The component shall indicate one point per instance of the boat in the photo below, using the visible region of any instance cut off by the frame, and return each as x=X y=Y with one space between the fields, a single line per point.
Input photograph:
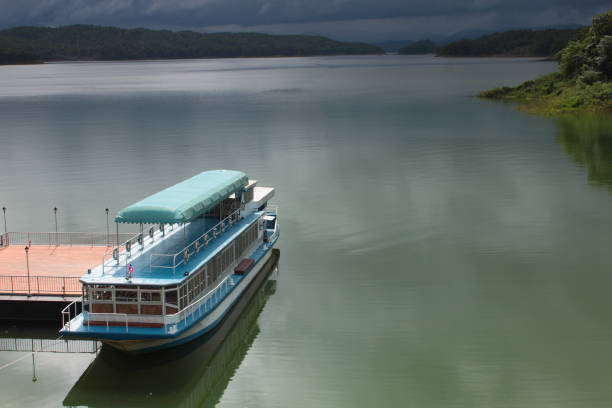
x=201 y=244
x=193 y=375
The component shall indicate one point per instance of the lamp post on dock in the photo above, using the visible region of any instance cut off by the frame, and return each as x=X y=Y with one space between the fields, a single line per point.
x=107 y=229
x=28 y=268
x=55 y=211
x=4 y=211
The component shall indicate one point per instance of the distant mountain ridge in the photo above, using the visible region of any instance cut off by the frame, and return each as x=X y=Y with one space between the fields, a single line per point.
x=89 y=42
x=515 y=43
x=392 y=46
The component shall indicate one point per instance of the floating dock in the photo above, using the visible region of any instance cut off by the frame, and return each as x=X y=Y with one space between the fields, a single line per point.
x=38 y=282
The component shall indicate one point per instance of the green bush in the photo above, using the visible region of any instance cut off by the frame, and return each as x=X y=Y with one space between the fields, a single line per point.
x=589 y=77
x=602 y=24
x=604 y=56
x=573 y=58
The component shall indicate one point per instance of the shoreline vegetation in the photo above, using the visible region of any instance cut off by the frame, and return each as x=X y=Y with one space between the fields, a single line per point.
x=582 y=84
x=31 y=45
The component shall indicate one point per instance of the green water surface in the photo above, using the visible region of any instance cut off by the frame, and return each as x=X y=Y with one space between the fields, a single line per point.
x=437 y=250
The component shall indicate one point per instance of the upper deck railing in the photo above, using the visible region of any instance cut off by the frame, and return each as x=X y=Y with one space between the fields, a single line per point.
x=182 y=257
x=112 y=258
x=120 y=255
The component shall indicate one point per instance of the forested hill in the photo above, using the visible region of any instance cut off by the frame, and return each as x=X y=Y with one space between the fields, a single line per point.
x=88 y=42
x=583 y=83
x=514 y=43
x=419 y=48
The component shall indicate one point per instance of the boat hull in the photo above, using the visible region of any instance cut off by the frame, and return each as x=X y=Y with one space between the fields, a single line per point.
x=204 y=326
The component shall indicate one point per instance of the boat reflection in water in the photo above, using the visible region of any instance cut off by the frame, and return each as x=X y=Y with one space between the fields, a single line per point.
x=193 y=375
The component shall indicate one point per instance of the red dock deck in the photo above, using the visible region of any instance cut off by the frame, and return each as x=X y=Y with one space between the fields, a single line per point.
x=54 y=270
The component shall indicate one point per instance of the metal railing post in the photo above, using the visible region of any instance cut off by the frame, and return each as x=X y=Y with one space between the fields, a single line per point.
x=55 y=211
x=5 y=231
x=107 y=229
x=28 y=267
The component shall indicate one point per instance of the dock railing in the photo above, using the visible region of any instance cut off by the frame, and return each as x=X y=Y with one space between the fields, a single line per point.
x=182 y=257
x=61 y=238
x=37 y=285
x=37 y=345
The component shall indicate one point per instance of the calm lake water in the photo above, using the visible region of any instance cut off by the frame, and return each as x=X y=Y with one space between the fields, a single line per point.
x=437 y=250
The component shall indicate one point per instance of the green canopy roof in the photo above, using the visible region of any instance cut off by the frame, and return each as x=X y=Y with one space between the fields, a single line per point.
x=186 y=200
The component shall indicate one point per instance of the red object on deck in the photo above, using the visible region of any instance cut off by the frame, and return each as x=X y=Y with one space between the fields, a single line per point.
x=244 y=266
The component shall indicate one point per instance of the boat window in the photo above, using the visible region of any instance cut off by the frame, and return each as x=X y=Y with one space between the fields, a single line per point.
x=101 y=294
x=244 y=241
x=150 y=296
x=248 y=195
x=127 y=295
x=171 y=296
x=190 y=285
x=183 y=296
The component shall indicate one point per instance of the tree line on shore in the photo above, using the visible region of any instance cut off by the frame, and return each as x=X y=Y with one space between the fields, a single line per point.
x=88 y=42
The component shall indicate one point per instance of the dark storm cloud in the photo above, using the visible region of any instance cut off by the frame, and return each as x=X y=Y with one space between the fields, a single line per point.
x=200 y=14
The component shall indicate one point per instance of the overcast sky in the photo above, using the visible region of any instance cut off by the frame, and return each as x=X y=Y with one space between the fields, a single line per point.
x=362 y=20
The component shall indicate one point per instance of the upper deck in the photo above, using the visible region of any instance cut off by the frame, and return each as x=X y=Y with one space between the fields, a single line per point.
x=161 y=259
